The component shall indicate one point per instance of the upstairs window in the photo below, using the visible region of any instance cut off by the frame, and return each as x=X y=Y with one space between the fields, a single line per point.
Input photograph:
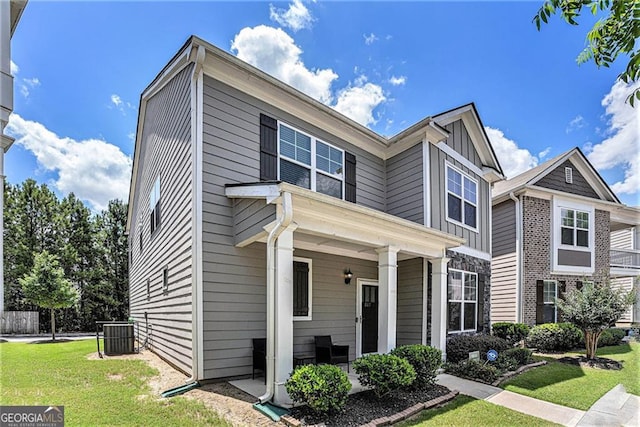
x=310 y=163
x=154 y=206
x=462 y=198
x=574 y=228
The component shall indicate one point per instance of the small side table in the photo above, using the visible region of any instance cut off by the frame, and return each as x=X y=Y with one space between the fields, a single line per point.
x=303 y=359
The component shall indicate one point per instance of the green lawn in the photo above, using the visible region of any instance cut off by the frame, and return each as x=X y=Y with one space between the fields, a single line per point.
x=578 y=387
x=467 y=411
x=93 y=392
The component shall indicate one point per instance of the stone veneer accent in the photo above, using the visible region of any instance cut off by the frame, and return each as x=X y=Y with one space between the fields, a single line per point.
x=536 y=240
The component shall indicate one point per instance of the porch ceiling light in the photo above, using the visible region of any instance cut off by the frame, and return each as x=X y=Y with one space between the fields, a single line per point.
x=347 y=276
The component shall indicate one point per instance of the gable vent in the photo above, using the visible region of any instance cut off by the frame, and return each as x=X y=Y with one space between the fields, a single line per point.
x=568 y=175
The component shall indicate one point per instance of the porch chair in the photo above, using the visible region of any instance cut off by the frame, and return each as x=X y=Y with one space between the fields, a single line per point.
x=326 y=352
x=259 y=357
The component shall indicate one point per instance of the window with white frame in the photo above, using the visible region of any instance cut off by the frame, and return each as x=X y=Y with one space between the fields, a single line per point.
x=308 y=162
x=574 y=227
x=547 y=307
x=462 y=198
x=154 y=206
x=462 y=312
x=302 y=288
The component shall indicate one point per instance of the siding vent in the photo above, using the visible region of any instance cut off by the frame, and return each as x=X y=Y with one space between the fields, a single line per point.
x=165 y=280
x=568 y=175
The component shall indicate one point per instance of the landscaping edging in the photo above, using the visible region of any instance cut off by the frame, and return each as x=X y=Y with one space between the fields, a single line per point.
x=520 y=370
x=391 y=419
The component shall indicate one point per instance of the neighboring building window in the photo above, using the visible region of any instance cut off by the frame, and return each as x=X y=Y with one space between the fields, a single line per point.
x=154 y=206
x=302 y=286
x=165 y=280
x=574 y=228
x=462 y=198
x=310 y=163
x=463 y=301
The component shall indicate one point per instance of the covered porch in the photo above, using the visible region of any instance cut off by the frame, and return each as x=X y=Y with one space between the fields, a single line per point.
x=332 y=237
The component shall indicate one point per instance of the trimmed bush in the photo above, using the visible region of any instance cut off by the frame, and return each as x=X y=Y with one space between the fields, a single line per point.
x=521 y=355
x=425 y=361
x=459 y=346
x=324 y=388
x=505 y=363
x=384 y=373
x=512 y=332
x=473 y=370
x=611 y=336
x=555 y=337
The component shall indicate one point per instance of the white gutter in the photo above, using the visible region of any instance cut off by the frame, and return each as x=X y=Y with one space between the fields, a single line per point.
x=516 y=200
x=282 y=223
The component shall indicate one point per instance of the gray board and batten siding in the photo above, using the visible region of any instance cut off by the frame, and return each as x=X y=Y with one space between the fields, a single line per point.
x=405 y=189
x=504 y=228
x=504 y=263
x=165 y=151
x=410 y=301
x=555 y=180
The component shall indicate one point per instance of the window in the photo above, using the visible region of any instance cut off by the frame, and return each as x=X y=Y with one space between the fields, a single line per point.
x=302 y=289
x=463 y=301
x=165 y=280
x=310 y=163
x=462 y=198
x=154 y=206
x=574 y=228
x=546 y=305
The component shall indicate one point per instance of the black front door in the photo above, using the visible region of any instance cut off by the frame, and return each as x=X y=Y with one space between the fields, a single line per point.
x=369 y=319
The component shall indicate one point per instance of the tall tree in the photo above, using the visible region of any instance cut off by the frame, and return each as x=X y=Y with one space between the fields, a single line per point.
x=594 y=308
x=610 y=37
x=47 y=287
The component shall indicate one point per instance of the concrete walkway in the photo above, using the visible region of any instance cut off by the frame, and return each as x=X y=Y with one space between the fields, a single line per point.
x=615 y=408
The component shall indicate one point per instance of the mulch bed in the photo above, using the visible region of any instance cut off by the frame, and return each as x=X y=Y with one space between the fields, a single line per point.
x=364 y=407
x=598 y=362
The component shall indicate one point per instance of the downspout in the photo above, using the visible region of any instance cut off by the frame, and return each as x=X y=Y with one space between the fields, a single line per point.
x=516 y=201
x=282 y=223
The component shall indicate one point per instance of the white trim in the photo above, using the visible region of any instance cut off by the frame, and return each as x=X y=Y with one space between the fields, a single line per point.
x=458 y=157
x=425 y=301
x=198 y=219
x=426 y=183
x=463 y=302
x=309 y=315
x=448 y=165
x=555 y=306
x=466 y=250
x=359 y=283
x=556 y=237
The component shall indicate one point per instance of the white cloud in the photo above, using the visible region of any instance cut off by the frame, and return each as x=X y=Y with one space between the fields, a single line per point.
x=92 y=169
x=358 y=102
x=27 y=85
x=576 y=123
x=397 y=81
x=544 y=153
x=369 y=39
x=514 y=160
x=14 y=68
x=115 y=99
x=621 y=148
x=273 y=51
x=296 y=17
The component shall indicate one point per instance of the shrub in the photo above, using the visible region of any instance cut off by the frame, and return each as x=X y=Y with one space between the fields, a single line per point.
x=521 y=355
x=505 y=363
x=425 y=361
x=324 y=388
x=473 y=370
x=555 y=337
x=384 y=373
x=512 y=332
x=611 y=336
x=459 y=346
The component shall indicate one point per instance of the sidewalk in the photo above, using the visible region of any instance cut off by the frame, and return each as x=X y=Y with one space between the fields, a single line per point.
x=615 y=408
x=40 y=337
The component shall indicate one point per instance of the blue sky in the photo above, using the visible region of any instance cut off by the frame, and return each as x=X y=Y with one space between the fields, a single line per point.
x=80 y=67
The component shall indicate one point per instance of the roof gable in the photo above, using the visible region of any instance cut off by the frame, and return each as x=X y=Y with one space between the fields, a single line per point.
x=556 y=180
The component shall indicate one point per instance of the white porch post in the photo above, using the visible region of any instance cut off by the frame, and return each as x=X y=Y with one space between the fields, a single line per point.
x=388 y=297
x=439 y=304
x=284 y=315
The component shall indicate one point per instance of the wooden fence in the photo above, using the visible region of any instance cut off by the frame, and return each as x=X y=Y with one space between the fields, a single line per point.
x=19 y=322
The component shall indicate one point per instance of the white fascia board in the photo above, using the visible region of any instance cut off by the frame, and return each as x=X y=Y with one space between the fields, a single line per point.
x=548 y=194
x=466 y=250
x=269 y=192
x=460 y=158
x=6 y=142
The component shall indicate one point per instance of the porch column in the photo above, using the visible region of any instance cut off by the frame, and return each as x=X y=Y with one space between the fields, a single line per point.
x=388 y=297
x=439 y=304
x=284 y=315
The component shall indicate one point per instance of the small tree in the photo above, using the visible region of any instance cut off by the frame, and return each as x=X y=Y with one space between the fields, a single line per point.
x=47 y=287
x=593 y=309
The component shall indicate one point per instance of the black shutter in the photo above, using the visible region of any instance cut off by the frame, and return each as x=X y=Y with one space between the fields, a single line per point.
x=300 y=288
x=539 y=302
x=268 y=148
x=562 y=290
x=579 y=285
x=349 y=177
x=482 y=278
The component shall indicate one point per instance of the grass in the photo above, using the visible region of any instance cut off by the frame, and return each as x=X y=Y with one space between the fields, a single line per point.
x=93 y=392
x=579 y=387
x=467 y=411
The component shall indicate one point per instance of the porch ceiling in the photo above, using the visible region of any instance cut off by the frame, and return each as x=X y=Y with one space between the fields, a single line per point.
x=327 y=224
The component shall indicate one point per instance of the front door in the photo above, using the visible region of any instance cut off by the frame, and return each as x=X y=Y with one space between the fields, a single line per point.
x=369 y=319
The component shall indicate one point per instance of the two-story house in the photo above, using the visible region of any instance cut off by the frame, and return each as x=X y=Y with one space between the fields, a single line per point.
x=257 y=212
x=554 y=227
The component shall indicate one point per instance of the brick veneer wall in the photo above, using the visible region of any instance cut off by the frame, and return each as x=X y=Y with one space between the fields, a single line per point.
x=536 y=240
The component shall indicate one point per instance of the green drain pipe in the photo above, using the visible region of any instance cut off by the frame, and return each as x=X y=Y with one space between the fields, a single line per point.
x=180 y=389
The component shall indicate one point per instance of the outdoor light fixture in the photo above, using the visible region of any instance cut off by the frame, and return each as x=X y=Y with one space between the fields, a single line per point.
x=347 y=276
